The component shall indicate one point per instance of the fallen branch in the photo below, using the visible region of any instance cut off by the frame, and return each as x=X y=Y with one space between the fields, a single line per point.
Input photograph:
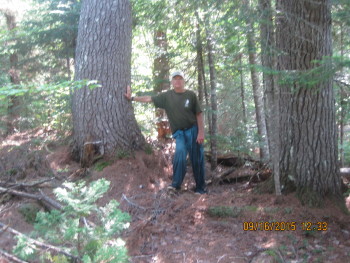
x=224 y=173
x=42 y=197
x=50 y=201
x=11 y=257
x=47 y=201
x=220 y=176
x=38 y=243
x=32 y=184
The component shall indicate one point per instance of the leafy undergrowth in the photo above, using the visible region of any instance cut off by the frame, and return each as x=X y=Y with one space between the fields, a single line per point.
x=229 y=224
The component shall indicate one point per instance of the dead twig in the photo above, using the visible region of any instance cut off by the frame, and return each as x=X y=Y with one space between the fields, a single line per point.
x=32 y=184
x=5 y=208
x=221 y=258
x=132 y=203
x=38 y=243
x=280 y=255
x=11 y=257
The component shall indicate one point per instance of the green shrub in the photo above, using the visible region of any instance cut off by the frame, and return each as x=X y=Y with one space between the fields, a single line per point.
x=99 y=166
x=224 y=211
x=148 y=149
x=70 y=229
x=29 y=212
x=250 y=208
x=123 y=154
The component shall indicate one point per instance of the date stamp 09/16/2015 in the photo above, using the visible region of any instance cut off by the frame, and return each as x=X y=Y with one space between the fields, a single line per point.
x=285 y=226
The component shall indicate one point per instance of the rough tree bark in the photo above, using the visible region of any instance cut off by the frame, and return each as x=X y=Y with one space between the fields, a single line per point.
x=102 y=115
x=308 y=131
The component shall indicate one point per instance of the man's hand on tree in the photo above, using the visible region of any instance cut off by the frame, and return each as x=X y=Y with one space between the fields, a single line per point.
x=128 y=93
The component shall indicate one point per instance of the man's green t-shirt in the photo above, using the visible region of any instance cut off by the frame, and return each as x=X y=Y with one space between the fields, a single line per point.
x=181 y=108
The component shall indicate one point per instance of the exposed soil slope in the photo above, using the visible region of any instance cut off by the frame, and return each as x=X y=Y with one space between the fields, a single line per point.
x=183 y=226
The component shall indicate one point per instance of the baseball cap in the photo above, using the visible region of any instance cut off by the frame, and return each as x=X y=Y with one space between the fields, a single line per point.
x=178 y=73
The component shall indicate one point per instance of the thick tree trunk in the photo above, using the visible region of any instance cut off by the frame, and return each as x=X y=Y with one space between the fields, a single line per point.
x=102 y=116
x=271 y=93
x=308 y=132
x=258 y=97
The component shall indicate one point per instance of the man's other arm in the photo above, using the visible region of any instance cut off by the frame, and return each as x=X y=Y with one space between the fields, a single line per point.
x=200 y=123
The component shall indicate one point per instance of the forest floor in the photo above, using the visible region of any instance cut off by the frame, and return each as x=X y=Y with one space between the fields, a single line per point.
x=178 y=227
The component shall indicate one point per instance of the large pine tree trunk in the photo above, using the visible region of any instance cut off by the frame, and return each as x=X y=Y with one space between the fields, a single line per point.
x=103 y=115
x=307 y=125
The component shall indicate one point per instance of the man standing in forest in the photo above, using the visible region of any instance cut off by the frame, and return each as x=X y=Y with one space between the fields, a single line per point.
x=187 y=126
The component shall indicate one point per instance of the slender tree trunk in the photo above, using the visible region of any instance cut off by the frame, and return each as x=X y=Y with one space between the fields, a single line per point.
x=258 y=97
x=161 y=79
x=344 y=109
x=102 y=116
x=206 y=98
x=161 y=62
x=213 y=100
x=70 y=78
x=342 y=105
x=14 y=101
x=200 y=66
x=309 y=154
x=201 y=74
x=69 y=74
x=242 y=90
x=271 y=92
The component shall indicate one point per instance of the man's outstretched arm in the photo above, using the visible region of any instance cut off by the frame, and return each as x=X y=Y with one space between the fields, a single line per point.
x=139 y=99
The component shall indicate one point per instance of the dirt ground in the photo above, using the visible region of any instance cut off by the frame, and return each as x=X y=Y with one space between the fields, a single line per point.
x=180 y=227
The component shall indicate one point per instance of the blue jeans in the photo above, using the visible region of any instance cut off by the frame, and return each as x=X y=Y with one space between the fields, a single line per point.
x=186 y=143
